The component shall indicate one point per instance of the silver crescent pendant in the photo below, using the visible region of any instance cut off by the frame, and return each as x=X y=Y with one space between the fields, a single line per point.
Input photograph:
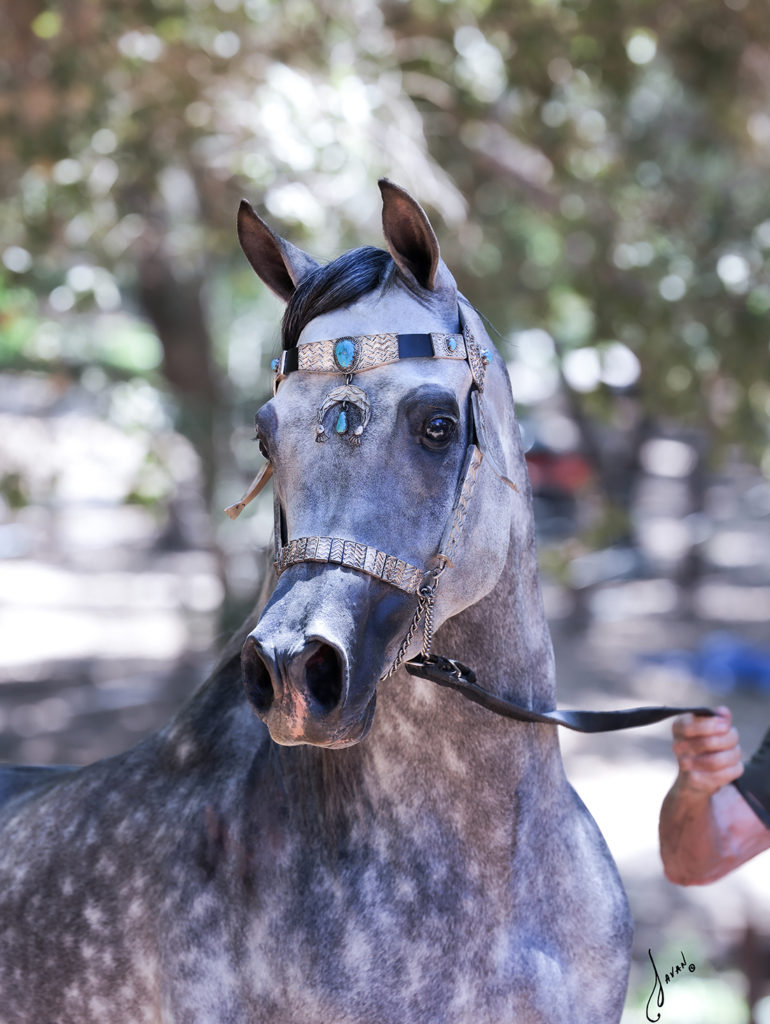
x=345 y=396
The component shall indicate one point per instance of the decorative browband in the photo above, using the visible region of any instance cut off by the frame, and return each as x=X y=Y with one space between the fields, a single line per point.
x=354 y=354
x=361 y=352
x=351 y=555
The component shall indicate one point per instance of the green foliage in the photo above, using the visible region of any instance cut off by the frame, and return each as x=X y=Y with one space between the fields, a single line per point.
x=18 y=317
x=602 y=170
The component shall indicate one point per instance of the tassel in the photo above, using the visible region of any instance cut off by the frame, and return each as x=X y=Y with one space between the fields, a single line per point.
x=257 y=484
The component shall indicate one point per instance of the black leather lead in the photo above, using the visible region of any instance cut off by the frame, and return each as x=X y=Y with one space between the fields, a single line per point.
x=754 y=784
x=456 y=676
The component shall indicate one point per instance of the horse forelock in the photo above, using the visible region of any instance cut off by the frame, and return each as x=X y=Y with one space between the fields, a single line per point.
x=334 y=285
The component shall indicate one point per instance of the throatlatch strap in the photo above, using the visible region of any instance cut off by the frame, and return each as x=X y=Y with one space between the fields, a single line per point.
x=456 y=676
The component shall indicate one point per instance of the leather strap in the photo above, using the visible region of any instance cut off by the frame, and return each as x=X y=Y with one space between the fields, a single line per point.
x=290 y=360
x=754 y=784
x=456 y=676
x=415 y=346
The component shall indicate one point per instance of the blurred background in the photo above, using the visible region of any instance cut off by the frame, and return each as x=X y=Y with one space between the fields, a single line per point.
x=598 y=174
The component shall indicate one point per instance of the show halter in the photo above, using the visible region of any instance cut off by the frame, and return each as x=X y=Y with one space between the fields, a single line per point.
x=356 y=354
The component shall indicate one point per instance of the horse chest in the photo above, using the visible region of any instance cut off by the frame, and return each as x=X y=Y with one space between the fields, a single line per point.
x=201 y=877
x=386 y=930
x=359 y=950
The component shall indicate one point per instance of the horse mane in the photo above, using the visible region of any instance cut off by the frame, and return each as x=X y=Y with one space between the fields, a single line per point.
x=333 y=285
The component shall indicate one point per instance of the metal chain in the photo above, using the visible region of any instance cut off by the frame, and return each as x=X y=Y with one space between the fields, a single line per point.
x=425 y=606
x=429 y=595
x=407 y=641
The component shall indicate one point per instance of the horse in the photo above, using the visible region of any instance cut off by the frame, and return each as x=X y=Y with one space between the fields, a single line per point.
x=317 y=835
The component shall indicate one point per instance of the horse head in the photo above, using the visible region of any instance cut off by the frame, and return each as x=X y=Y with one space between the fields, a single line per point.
x=391 y=438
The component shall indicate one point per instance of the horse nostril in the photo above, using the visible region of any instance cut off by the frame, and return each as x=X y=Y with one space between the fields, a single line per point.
x=256 y=677
x=314 y=673
x=323 y=676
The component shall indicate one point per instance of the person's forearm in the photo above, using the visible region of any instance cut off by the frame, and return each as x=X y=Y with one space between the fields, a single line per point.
x=689 y=840
x=704 y=837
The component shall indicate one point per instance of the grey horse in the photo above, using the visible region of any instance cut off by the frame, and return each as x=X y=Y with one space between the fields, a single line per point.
x=419 y=863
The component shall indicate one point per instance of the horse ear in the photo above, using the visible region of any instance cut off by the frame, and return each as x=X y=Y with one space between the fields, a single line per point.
x=277 y=262
x=410 y=237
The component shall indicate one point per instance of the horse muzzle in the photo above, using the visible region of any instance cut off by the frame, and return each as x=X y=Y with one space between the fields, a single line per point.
x=302 y=694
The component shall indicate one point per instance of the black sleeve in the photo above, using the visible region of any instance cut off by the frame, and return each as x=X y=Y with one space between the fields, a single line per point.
x=754 y=784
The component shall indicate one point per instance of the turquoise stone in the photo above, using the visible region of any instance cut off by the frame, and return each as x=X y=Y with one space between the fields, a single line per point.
x=345 y=353
x=486 y=355
x=274 y=364
x=451 y=344
x=342 y=422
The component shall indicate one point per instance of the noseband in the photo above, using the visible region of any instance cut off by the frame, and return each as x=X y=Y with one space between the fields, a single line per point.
x=356 y=354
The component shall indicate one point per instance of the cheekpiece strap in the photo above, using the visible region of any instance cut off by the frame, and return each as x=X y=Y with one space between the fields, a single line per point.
x=351 y=555
x=454 y=527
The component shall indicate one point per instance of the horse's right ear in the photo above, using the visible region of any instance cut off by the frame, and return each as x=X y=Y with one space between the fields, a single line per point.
x=277 y=262
x=411 y=239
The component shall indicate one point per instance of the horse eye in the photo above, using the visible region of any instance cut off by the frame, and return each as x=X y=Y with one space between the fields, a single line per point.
x=438 y=431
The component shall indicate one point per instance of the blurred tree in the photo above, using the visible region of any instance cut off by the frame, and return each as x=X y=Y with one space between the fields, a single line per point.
x=614 y=157
x=127 y=135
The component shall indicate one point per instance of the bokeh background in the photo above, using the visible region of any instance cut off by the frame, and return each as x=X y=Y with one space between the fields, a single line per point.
x=599 y=177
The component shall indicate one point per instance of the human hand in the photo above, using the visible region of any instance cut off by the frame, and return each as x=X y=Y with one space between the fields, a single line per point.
x=707 y=751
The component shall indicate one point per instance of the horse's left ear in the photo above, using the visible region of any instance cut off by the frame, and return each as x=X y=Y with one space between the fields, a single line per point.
x=277 y=262
x=411 y=239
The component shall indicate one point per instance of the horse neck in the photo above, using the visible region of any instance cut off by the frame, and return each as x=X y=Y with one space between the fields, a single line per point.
x=505 y=636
